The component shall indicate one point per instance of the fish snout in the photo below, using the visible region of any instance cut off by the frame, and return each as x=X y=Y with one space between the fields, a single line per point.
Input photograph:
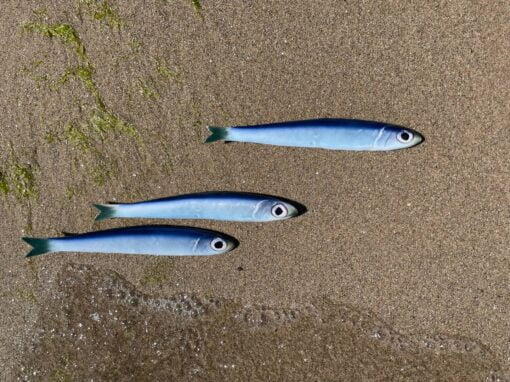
x=409 y=138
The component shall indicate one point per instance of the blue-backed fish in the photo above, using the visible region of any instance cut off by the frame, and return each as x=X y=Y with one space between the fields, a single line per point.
x=226 y=206
x=332 y=134
x=143 y=240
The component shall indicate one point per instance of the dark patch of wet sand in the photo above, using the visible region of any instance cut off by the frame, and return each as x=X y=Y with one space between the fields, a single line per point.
x=100 y=327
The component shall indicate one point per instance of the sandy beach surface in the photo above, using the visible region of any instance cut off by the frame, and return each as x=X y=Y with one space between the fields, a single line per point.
x=398 y=271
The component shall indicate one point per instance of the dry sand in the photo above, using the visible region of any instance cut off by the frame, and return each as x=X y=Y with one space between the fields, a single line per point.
x=400 y=269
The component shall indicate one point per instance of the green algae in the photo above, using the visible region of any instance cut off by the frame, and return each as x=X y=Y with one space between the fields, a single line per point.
x=165 y=72
x=77 y=138
x=50 y=137
x=65 y=32
x=101 y=120
x=69 y=36
x=101 y=123
x=101 y=174
x=104 y=123
x=198 y=7
x=4 y=184
x=23 y=181
x=108 y=15
x=102 y=11
x=71 y=192
x=86 y=135
x=85 y=75
x=147 y=89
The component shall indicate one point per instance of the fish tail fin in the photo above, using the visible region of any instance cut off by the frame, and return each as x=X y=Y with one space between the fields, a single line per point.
x=106 y=211
x=217 y=134
x=39 y=246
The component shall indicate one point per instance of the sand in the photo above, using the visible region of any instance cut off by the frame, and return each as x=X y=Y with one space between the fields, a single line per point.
x=400 y=268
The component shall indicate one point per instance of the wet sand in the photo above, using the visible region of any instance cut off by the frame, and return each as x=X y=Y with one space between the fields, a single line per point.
x=398 y=271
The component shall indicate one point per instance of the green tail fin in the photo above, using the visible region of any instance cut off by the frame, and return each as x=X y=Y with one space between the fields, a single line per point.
x=217 y=134
x=106 y=211
x=40 y=246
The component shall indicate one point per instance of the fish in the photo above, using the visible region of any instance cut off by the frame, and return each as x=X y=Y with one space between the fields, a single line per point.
x=326 y=133
x=141 y=240
x=225 y=206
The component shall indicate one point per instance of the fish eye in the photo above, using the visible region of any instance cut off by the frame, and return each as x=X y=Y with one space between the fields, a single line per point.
x=405 y=136
x=279 y=211
x=218 y=244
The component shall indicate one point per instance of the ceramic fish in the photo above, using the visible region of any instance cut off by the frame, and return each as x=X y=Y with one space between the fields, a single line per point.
x=228 y=206
x=332 y=134
x=143 y=240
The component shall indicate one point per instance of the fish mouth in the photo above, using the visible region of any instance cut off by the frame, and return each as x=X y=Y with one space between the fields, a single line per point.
x=294 y=208
x=292 y=212
x=232 y=243
x=418 y=139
